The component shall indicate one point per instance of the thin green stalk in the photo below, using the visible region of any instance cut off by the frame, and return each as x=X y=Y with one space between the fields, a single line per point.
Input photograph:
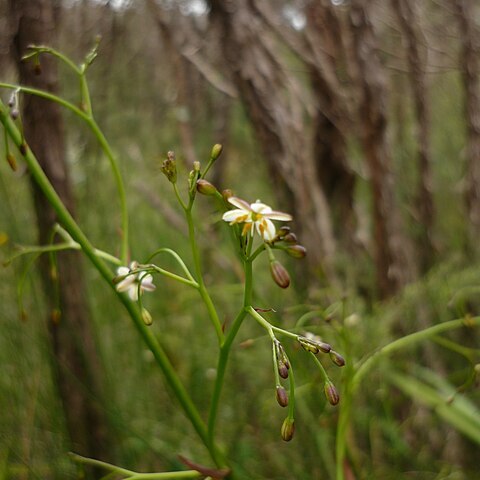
x=103 y=143
x=366 y=365
x=176 y=256
x=77 y=234
x=226 y=347
x=201 y=284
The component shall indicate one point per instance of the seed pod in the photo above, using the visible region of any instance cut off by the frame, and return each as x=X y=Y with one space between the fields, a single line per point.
x=205 y=188
x=331 y=393
x=282 y=397
x=279 y=274
x=296 y=251
x=288 y=429
x=336 y=358
x=216 y=151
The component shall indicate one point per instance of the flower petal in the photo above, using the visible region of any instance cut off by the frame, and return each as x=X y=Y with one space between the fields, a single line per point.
x=236 y=216
x=125 y=284
x=123 y=271
x=147 y=283
x=266 y=229
x=239 y=203
x=259 y=207
x=133 y=292
x=274 y=215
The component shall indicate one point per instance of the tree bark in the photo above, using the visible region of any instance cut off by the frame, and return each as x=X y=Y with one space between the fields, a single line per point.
x=77 y=364
x=470 y=67
x=393 y=260
x=408 y=20
x=264 y=87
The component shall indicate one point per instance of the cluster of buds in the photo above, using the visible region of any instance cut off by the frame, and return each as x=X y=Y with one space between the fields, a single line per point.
x=313 y=344
x=283 y=364
x=289 y=242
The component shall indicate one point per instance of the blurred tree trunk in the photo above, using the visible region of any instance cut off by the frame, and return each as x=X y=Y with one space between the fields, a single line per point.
x=264 y=86
x=408 y=20
x=77 y=365
x=393 y=261
x=470 y=65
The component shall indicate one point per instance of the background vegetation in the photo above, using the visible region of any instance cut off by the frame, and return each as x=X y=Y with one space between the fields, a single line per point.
x=165 y=79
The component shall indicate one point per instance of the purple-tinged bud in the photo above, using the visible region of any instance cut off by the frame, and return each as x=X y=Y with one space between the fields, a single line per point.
x=205 y=188
x=282 y=397
x=336 y=358
x=290 y=238
x=12 y=162
x=288 y=429
x=226 y=194
x=324 y=347
x=296 y=251
x=331 y=393
x=12 y=100
x=169 y=167
x=14 y=113
x=279 y=274
x=146 y=317
x=216 y=151
x=282 y=370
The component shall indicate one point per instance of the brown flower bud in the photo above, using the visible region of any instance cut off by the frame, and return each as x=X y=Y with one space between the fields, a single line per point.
x=279 y=274
x=169 y=167
x=290 y=238
x=288 y=429
x=55 y=316
x=23 y=148
x=282 y=370
x=331 y=393
x=226 y=194
x=205 y=188
x=14 y=113
x=282 y=231
x=336 y=358
x=216 y=151
x=296 y=251
x=37 y=69
x=282 y=397
x=308 y=345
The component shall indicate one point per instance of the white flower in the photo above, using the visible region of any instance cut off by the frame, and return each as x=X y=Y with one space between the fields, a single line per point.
x=131 y=282
x=256 y=214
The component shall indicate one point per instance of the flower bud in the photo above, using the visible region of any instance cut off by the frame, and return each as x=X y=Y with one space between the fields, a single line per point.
x=331 y=393
x=55 y=316
x=226 y=194
x=37 y=69
x=288 y=429
x=14 y=113
x=279 y=274
x=23 y=148
x=216 y=151
x=196 y=166
x=290 y=238
x=282 y=231
x=336 y=358
x=12 y=162
x=169 y=167
x=296 y=251
x=282 y=397
x=308 y=345
x=282 y=370
x=205 y=188
x=146 y=317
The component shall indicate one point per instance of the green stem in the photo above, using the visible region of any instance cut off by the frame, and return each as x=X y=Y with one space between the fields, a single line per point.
x=132 y=474
x=225 y=349
x=77 y=235
x=212 y=312
x=176 y=256
x=366 y=365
